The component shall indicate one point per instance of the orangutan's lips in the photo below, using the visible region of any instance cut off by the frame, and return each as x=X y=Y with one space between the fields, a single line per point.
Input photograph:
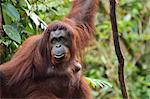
x=61 y=56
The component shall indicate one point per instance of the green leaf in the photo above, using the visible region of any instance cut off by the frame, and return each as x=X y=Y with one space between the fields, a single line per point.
x=96 y=83
x=7 y=19
x=12 y=33
x=22 y=3
x=36 y=19
x=11 y=11
x=7 y=42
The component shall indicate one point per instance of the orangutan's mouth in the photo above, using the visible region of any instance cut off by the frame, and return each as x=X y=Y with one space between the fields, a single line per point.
x=59 y=57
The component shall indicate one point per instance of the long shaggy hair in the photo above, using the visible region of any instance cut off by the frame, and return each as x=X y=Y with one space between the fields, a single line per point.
x=33 y=58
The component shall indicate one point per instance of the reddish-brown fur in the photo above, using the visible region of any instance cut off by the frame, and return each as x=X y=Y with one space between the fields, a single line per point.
x=25 y=74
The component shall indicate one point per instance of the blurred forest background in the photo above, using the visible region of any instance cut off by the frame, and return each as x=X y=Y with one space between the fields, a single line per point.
x=24 y=18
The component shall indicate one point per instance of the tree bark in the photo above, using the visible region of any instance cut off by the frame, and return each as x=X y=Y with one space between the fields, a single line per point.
x=117 y=49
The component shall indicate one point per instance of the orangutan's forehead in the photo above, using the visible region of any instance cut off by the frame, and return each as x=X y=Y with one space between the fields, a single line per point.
x=58 y=33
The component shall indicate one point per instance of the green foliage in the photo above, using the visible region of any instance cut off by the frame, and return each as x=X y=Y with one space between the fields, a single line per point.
x=11 y=11
x=20 y=22
x=96 y=83
x=24 y=18
x=12 y=33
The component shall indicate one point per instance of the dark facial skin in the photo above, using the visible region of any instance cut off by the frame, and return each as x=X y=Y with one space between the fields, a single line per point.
x=60 y=43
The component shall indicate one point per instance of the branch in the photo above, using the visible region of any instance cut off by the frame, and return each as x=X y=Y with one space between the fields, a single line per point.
x=117 y=48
